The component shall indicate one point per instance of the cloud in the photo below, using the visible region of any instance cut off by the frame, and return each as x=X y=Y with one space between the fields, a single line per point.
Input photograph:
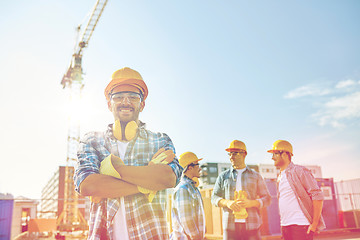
x=346 y=83
x=336 y=105
x=308 y=90
x=339 y=109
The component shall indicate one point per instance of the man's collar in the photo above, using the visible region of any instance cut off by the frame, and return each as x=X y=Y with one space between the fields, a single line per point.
x=186 y=178
x=290 y=166
x=232 y=169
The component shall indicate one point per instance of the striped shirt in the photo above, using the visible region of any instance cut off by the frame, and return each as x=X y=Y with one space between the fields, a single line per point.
x=144 y=220
x=187 y=211
x=256 y=189
x=306 y=190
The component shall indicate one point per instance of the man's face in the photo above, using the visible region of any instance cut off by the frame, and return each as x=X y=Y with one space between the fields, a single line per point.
x=126 y=106
x=237 y=158
x=195 y=170
x=278 y=159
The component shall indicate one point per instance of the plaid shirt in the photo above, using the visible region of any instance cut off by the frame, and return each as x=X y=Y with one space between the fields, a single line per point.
x=253 y=184
x=187 y=211
x=144 y=220
x=305 y=188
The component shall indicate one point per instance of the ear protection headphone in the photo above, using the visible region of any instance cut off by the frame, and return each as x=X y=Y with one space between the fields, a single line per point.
x=127 y=133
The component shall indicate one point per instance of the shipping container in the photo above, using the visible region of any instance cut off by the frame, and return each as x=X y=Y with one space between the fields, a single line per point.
x=348 y=202
x=6 y=210
x=348 y=193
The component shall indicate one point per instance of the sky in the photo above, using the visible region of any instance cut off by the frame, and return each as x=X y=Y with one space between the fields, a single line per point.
x=256 y=71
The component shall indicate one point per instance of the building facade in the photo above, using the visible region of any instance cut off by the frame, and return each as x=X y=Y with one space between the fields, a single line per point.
x=52 y=196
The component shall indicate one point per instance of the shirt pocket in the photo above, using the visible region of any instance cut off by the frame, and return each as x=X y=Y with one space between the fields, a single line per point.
x=228 y=188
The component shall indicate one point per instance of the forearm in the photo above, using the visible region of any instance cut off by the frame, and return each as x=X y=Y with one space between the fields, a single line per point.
x=99 y=185
x=224 y=203
x=317 y=206
x=155 y=177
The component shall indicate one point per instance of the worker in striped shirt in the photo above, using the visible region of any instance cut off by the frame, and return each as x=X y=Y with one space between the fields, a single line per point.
x=300 y=198
x=188 y=218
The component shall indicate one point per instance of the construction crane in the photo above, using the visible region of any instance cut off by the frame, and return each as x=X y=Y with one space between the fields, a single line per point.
x=70 y=218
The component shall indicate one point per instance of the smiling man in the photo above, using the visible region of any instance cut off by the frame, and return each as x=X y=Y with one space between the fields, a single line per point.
x=300 y=198
x=240 y=178
x=126 y=169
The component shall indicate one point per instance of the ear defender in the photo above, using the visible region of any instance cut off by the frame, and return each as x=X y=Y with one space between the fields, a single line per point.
x=128 y=133
x=196 y=180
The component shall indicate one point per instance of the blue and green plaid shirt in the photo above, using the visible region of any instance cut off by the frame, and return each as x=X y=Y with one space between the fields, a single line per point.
x=187 y=211
x=144 y=220
x=253 y=184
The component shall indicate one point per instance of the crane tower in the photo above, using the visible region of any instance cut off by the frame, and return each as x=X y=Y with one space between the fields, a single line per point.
x=71 y=219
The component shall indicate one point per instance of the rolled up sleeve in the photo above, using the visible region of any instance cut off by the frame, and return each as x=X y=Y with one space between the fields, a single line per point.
x=88 y=161
x=218 y=191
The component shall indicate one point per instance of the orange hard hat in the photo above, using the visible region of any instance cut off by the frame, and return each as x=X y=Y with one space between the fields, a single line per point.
x=281 y=145
x=188 y=158
x=126 y=79
x=236 y=145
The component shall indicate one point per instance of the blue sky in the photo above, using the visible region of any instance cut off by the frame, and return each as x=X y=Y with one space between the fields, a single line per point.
x=217 y=71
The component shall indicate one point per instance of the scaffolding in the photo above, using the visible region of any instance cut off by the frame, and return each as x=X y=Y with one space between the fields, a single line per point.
x=71 y=219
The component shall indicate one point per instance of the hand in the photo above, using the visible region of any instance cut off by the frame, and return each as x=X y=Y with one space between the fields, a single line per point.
x=162 y=157
x=150 y=193
x=312 y=228
x=233 y=205
x=110 y=165
x=247 y=203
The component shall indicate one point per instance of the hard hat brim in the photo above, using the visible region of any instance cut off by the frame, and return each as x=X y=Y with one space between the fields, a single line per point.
x=234 y=149
x=138 y=83
x=273 y=151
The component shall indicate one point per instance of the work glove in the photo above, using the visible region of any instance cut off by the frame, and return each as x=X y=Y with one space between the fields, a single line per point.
x=108 y=167
x=162 y=156
x=240 y=196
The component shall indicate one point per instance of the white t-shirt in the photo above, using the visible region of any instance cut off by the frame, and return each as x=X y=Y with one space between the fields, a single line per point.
x=238 y=188
x=290 y=211
x=119 y=223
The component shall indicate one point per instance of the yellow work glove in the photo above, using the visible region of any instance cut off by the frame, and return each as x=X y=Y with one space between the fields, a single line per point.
x=240 y=196
x=150 y=193
x=162 y=156
x=108 y=167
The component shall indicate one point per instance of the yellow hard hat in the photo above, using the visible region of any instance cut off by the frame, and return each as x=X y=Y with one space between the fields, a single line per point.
x=126 y=79
x=188 y=158
x=236 y=145
x=281 y=145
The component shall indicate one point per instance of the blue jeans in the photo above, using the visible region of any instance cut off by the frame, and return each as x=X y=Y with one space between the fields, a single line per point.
x=241 y=233
x=296 y=232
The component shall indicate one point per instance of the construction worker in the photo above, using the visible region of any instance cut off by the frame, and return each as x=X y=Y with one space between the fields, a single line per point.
x=126 y=168
x=188 y=217
x=241 y=192
x=300 y=198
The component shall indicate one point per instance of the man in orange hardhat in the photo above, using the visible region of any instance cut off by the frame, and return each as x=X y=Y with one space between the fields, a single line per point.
x=247 y=183
x=126 y=168
x=300 y=198
x=187 y=213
